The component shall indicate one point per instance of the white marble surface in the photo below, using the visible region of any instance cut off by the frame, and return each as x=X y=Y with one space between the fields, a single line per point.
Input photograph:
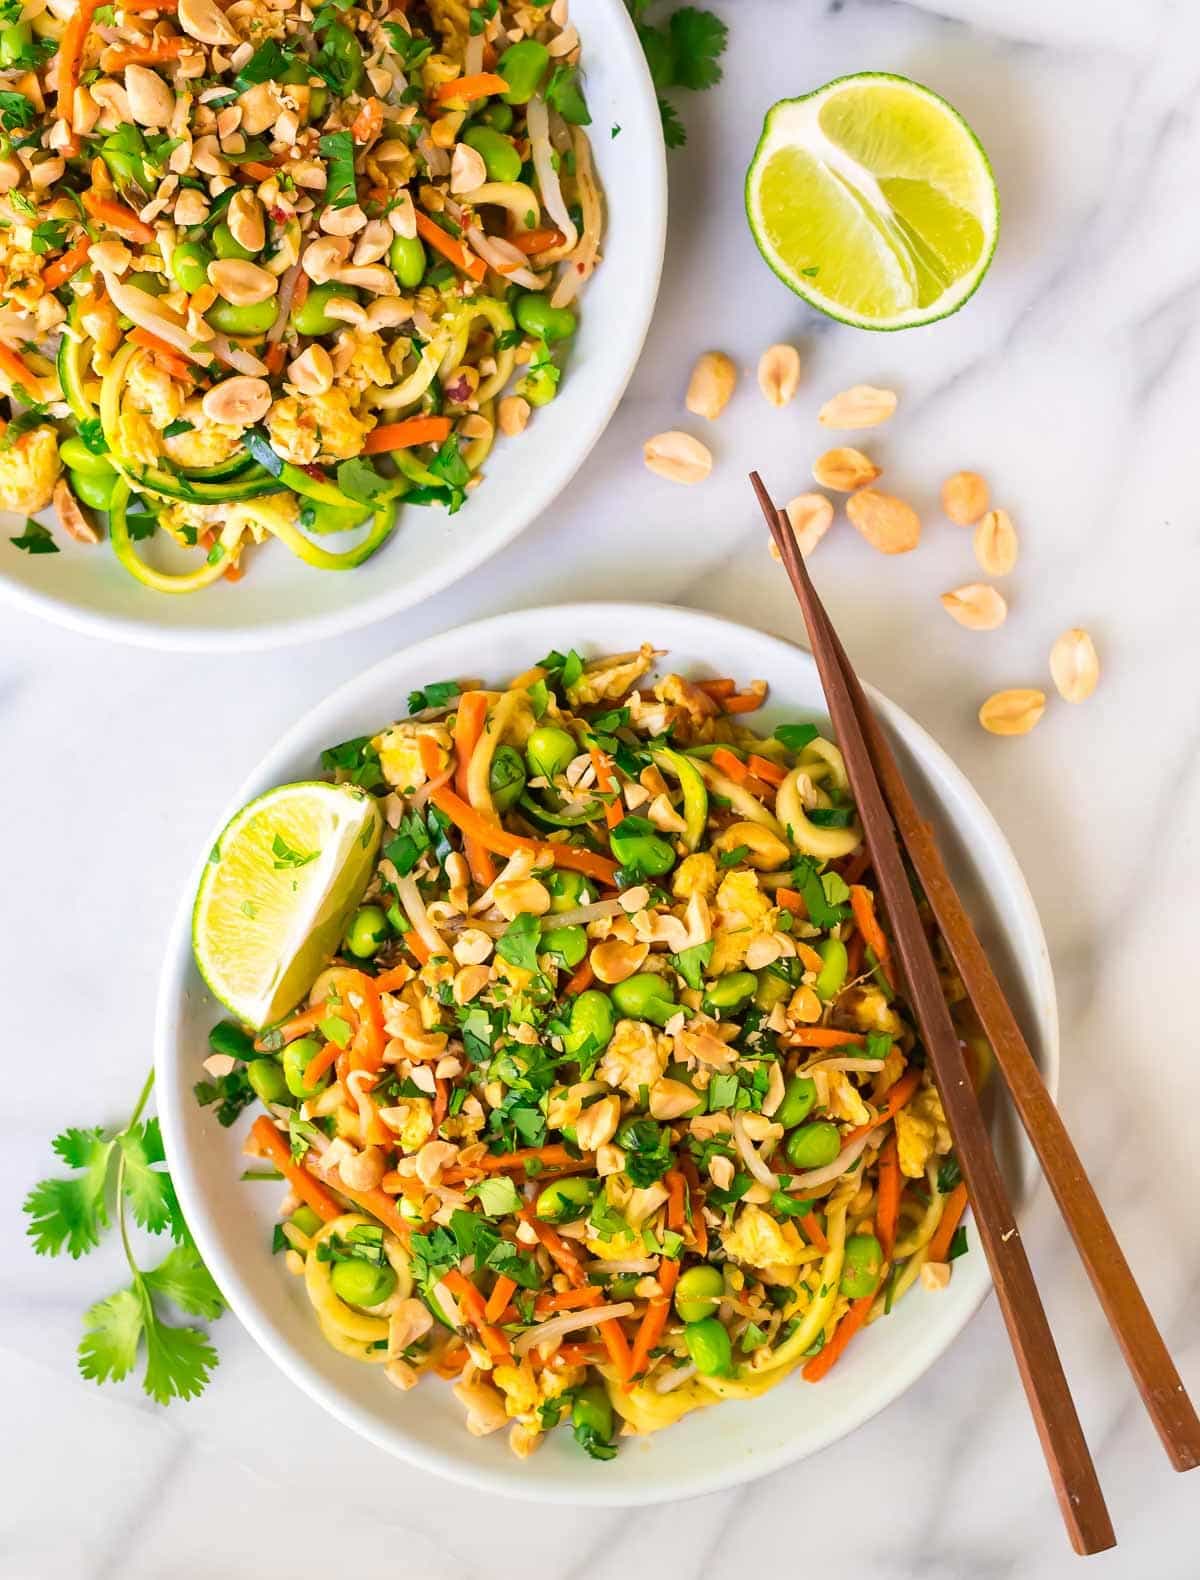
x=1071 y=380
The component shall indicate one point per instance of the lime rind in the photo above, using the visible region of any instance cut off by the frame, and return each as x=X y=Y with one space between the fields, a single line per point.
x=802 y=115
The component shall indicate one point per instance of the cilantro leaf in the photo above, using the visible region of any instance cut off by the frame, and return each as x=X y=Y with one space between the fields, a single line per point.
x=35 y=539
x=359 y=481
x=434 y=695
x=108 y=1349
x=65 y=1215
x=674 y=133
x=16 y=111
x=150 y=1190
x=795 y=736
x=340 y=189
x=690 y=963
x=518 y=943
x=698 y=40
x=497 y=1196
x=564 y=94
x=182 y=1278
x=179 y=1362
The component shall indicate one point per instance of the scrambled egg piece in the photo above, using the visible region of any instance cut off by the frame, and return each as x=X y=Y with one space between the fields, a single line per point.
x=844 y=1100
x=756 y=1240
x=400 y=753
x=361 y=360
x=610 y=680
x=311 y=428
x=635 y=1057
x=742 y=913
x=524 y=1389
x=869 y=1010
x=20 y=276
x=153 y=391
x=137 y=436
x=29 y=471
x=921 y=1130
x=418 y=1124
x=207 y=444
x=695 y=875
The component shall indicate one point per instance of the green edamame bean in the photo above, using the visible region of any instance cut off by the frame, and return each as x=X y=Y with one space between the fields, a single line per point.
x=310 y=318
x=832 y=976
x=498 y=114
x=228 y=1037
x=15 y=43
x=145 y=280
x=268 y=1083
x=645 y=996
x=562 y=1201
x=549 y=749
x=189 y=265
x=226 y=244
x=296 y=1058
x=592 y=1413
x=366 y=932
x=566 y=944
x=635 y=844
x=253 y=318
x=522 y=66
x=79 y=458
x=567 y=890
x=709 y=1347
x=306 y=1220
x=506 y=778
x=407 y=258
x=814 y=1145
x=536 y=317
x=732 y=992
x=799 y=1095
x=772 y=989
x=861 y=1266
x=697 y=1293
x=93 y=488
x=539 y=386
x=591 y=1025
x=362 y=1283
x=500 y=156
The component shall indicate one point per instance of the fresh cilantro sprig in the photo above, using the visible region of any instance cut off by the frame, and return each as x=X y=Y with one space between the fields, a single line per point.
x=684 y=51
x=118 y=1175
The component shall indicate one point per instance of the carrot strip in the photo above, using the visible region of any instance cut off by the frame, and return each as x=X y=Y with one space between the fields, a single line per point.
x=427 y=750
x=699 y=1228
x=890 y=1188
x=607 y=785
x=109 y=212
x=825 y=1360
x=452 y=1359
x=18 y=372
x=61 y=270
x=275 y=358
x=824 y=1037
x=791 y=901
x=743 y=702
x=502 y=1292
x=771 y=772
x=617 y=1346
x=864 y=914
x=553 y=1156
x=556 y=1247
x=320 y=1062
x=568 y=1300
x=716 y=688
x=298 y=1026
x=896 y=1099
x=270 y=1144
x=441 y=1101
x=733 y=767
x=396 y=977
x=939 y=1245
x=472 y=1302
x=70 y=60
x=675 y=1197
x=654 y=1320
x=582 y=980
x=812 y=1228
x=578 y=1354
x=854 y=956
x=505 y=844
x=156 y=54
x=403 y=435
x=368 y=123
x=476 y=85
x=166 y=354
x=468 y=727
x=257 y=171
x=531 y=242
x=453 y=251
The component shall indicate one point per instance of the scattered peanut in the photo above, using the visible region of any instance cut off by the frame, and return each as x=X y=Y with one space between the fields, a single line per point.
x=779 y=373
x=513 y=414
x=887 y=523
x=844 y=470
x=811 y=516
x=239 y=401
x=72 y=517
x=995 y=543
x=1012 y=712
x=241 y=282
x=713 y=381
x=863 y=406
x=964 y=498
x=151 y=102
x=1074 y=665
x=678 y=457
x=976 y=606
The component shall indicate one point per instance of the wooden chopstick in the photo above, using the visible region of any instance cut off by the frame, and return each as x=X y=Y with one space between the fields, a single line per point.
x=1072 y=1472
x=1145 y=1351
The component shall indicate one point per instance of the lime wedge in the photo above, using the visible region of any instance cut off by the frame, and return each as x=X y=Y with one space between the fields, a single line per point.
x=277 y=891
x=874 y=201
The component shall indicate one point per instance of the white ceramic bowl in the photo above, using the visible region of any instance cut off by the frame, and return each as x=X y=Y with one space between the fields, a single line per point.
x=283 y=600
x=716 y=1447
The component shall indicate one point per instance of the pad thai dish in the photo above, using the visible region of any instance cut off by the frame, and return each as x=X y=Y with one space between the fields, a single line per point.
x=609 y=1107
x=268 y=270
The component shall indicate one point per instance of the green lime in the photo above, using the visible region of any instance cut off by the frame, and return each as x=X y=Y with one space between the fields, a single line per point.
x=874 y=201
x=279 y=887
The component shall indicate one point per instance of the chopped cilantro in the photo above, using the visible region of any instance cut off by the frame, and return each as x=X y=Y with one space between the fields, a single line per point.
x=35 y=539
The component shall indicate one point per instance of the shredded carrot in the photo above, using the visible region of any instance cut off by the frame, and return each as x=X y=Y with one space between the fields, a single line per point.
x=864 y=914
x=531 y=242
x=403 y=435
x=166 y=353
x=17 y=371
x=654 y=1320
x=257 y=171
x=699 y=1228
x=791 y=901
x=70 y=60
x=468 y=727
x=61 y=270
x=743 y=702
x=939 y=1245
x=417 y=946
x=617 y=1346
x=369 y=1043
x=441 y=1101
x=275 y=357
x=473 y=1304
x=396 y=977
x=476 y=85
x=453 y=251
x=270 y=1144
x=430 y=755
x=582 y=980
x=733 y=767
x=854 y=956
x=233 y=573
x=502 y=1293
x=109 y=212
x=300 y=291
x=452 y=1359
x=889 y=1188
x=607 y=785
x=156 y=54
x=320 y=1062
x=771 y=772
x=808 y=957
x=505 y=844
x=556 y=1247
x=814 y=1232
x=578 y=1354
x=824 y=1037
x=825 y=1360
x=675 y=1198
x=568 y=1300
x=758 y=788
x=368 y=123
x=896 y=1099
x=553 y=1156
x=299 y=1026
x=716 y=688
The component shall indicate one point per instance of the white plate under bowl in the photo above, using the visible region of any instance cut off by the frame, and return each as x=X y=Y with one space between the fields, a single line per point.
x=284 y=600
x=717 y=1447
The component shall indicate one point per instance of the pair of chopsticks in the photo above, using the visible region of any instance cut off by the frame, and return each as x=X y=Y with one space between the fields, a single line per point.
x=891 y=823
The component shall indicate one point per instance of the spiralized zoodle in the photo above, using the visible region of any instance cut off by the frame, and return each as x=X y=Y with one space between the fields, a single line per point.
x=292 y=257
x=609 y=1109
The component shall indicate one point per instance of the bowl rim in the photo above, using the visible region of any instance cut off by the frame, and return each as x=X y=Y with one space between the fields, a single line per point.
x=174 y=975
x=543 y=484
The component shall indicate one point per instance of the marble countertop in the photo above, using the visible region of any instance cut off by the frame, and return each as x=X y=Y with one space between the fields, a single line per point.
x=1070 y=381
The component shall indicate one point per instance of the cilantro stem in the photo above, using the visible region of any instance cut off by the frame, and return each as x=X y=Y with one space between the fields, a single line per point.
x=143 y=1099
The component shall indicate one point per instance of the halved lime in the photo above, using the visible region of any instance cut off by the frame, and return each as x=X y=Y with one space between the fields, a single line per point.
x=277 y=891
x=873 y=200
